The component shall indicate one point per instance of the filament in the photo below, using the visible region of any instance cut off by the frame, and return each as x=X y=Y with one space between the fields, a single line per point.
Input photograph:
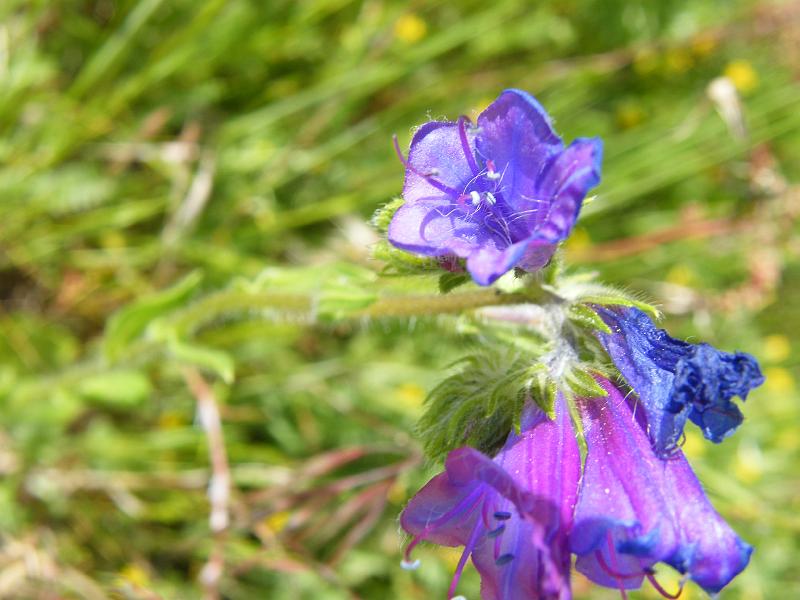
x=473 y=538
x=462 y=132
x=437 y=184
x=612 y=554
x=654 y=582
x=465 y=504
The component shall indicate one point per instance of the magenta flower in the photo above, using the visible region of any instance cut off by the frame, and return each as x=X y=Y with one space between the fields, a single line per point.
x=512 y=513
x=635 y=509
x=676 y=381
x=501 y=195
x=520 y=514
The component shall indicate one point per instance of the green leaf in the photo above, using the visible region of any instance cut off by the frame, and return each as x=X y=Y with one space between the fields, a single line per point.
x=130 y=322
x=478 y=405
x=124 y=388
x=216 y=361
x=347 y=290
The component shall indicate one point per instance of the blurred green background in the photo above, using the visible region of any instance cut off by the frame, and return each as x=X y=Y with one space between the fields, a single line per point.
x=159 y=157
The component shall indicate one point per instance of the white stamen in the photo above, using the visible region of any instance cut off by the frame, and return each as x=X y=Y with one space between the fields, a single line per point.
x=458 y=598
x=476 y=198
x=490 y=198
x=493 y=175
x=409 y=566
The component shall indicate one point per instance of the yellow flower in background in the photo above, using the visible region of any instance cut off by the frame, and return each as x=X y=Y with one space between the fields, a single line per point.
x=410 y=395
x=742 y=74
x=777 y=348
x=171 y=420
x=677 y=60
x=410 y=28
x=135 y=575
x=779 y=380
x=629 y=114
x=277 y=520
x=682 y=274
x=749 y=466
x=480 y=106
x=703 y=45
x=579 y=241
x=645 y=61
x=694 y=446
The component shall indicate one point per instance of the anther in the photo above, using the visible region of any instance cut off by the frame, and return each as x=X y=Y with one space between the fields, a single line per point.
x=410 y=565
x=476 y=197
x=504 y=559
x=502 y=515
x=490 y=198
x=491 y=171
x=496 y=532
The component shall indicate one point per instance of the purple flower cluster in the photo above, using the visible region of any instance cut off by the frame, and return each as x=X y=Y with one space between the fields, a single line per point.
x=521 y=514
x=501 y=194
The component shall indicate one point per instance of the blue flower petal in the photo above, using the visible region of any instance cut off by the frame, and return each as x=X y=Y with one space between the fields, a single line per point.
x=502 y=194
x=676 y=381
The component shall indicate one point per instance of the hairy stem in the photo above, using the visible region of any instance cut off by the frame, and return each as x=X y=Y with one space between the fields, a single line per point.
x=302 y=306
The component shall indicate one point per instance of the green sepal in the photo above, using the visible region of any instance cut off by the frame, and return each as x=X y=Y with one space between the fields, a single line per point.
x=383 y=216
x=608 y=300
x=553 y=270
x=583 y=316
x=582 y=384
x=450 y=281
x=542 y=389
x=587 y=292
x=399 y=261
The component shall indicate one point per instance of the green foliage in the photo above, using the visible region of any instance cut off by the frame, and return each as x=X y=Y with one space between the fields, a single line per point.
x=131 y=321
x=477 y=405
x=186 y=187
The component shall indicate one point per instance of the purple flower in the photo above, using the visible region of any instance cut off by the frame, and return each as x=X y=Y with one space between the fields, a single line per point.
x=676 y=381
x=636 y=509
x=512 y=513
x=502 y=194
x=521 y=514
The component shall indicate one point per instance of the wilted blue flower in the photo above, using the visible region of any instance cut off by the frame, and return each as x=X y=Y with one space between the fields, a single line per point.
x=636 y=509
x=676 y=381
x=502 y=194
x=512 y=513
